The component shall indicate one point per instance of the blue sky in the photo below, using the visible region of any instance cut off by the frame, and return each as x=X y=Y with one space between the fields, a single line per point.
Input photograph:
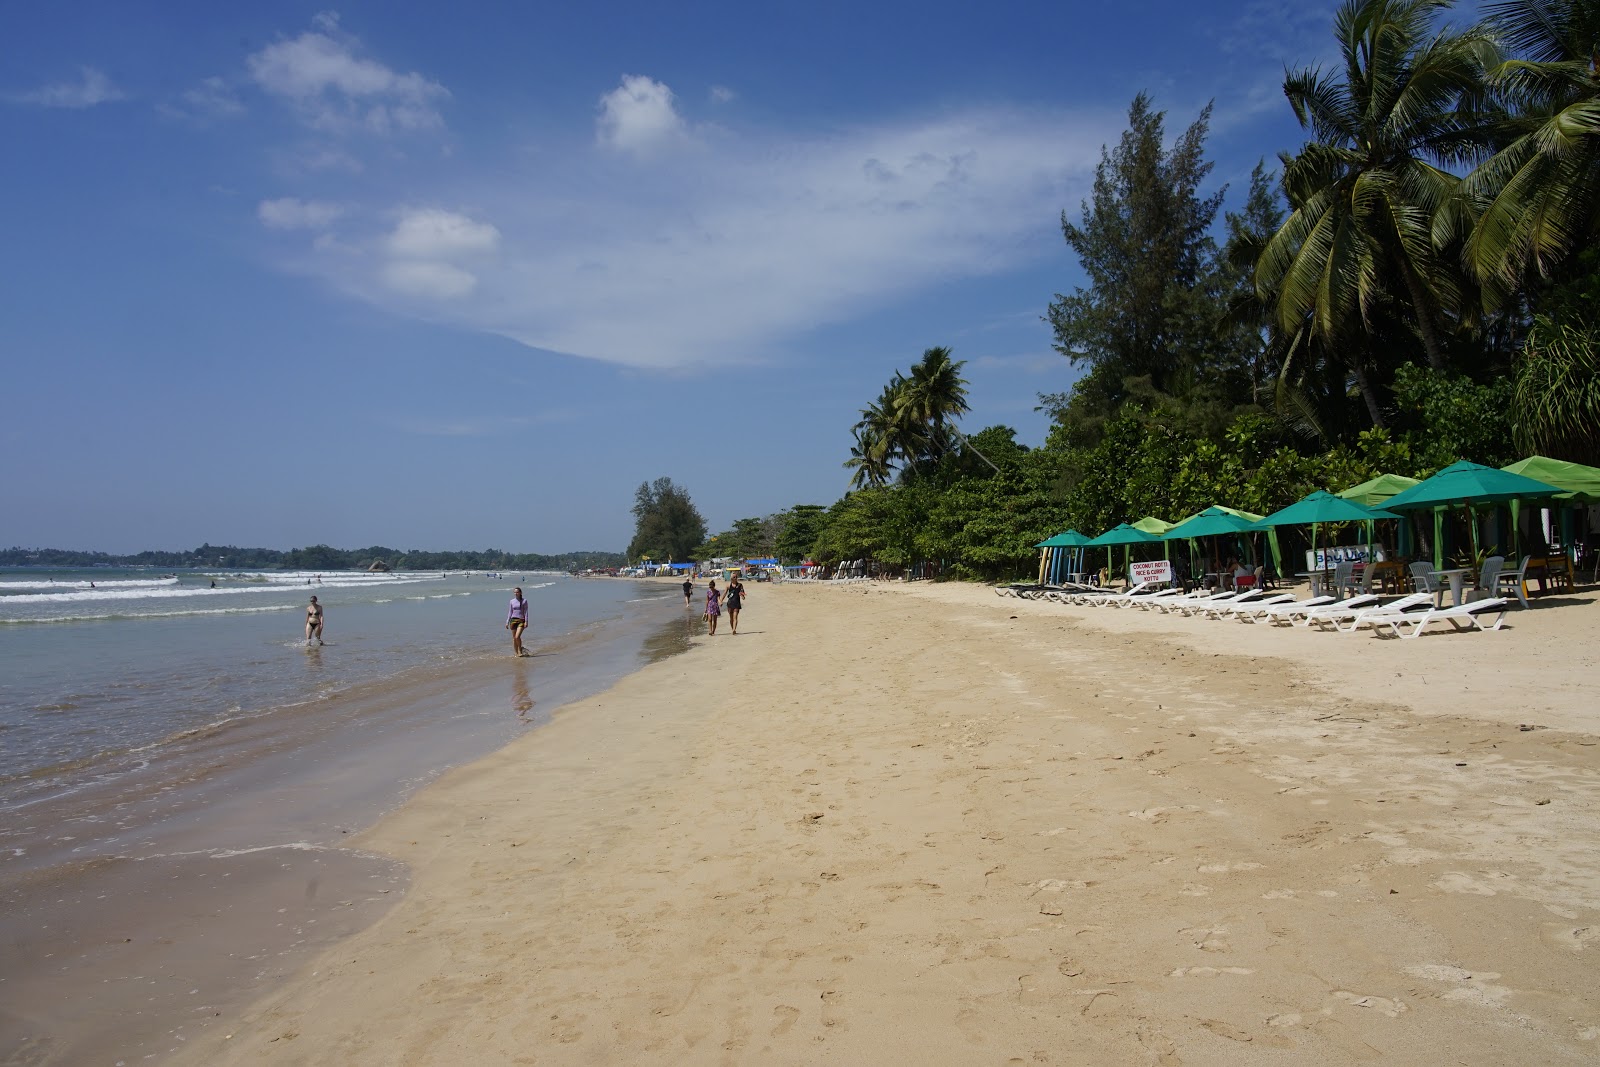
x=459 y=278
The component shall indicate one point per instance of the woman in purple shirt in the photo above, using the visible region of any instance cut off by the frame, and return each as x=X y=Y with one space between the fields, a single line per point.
x=517 y=620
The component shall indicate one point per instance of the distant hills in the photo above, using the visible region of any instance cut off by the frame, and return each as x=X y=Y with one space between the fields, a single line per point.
x=315 y=558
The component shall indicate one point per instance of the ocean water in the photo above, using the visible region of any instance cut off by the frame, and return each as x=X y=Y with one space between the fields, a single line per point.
x=102 y=667
x=180 y=775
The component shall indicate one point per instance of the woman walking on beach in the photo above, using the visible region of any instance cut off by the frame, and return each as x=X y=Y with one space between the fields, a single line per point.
x=735 y=601
x=713 y=606
x=313 y=621
x=517 y=620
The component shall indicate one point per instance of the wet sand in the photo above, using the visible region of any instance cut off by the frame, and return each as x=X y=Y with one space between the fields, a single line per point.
x=930 y=825
x=140 y=910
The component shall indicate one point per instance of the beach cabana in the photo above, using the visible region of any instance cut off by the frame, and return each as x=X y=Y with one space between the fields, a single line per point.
x=1127 y=535
x=1578 y=482
x=1220 y=521
x=1320 y=508
x=1466 y=485
x=1060 y=555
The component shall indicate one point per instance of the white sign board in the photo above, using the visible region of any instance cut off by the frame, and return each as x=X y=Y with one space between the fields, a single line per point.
x=1158 y=570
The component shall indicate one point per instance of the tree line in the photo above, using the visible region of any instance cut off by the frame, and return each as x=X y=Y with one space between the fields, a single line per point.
x=1418 y=282
x=314 y=558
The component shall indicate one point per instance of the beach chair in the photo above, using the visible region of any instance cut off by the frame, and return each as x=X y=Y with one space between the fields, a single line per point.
x=1466 y=617
x=1368 y=616
x=1339 y=609
x=1344 y=580
x=1156 y=599
x=1517 y=581
x=1210 y=607
x=1183 y=603
x=1250 y=603
x=1276 y=608
x=1103 y=597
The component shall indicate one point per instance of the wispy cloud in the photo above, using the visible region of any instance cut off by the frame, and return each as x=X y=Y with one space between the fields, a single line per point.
x=478 y=425
x=91 y=88
x=213 y=100
x=290 y=213
x=333 y=87
x=727 y=253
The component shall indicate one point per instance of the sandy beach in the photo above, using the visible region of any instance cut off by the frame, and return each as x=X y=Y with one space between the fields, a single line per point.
x=926 y=824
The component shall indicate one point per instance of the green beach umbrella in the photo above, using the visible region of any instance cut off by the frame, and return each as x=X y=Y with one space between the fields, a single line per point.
x=1320 y=507
x=1125 y=534
x=1049 y=558
x=1375 y=491
x=1464 y=485
x=1069 y=539
x=1578 y=483
x=1210 y=523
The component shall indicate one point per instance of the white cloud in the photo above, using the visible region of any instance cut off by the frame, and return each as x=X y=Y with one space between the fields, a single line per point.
x=435 y=281
x=721 y=94
x=727 y=254
x=433 y=234
x=212 y=99
x=289 y=213
x=92 y=88
x=639 y=116
x=335 y=88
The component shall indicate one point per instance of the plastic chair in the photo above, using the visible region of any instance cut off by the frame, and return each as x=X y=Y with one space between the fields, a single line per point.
x=1517 y=582
x=1342 y=584
x=1488 y=578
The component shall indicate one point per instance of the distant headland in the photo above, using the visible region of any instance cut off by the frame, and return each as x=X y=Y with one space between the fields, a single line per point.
x=315 y=558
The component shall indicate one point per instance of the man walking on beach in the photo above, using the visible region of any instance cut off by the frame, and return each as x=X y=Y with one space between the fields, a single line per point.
x=688 y=591
x=313 y=621
x=517 y=620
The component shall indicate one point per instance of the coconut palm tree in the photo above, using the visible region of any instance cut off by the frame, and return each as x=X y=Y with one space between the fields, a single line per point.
x=872 y=457
x=933 y=397
x=1363 y=193
x=1538 y=196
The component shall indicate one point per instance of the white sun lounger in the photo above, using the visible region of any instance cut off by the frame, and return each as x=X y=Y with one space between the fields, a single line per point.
x=1103 y=597
x=1183 y=603
x=1156 y=599
x=1216 y=603
x=1370 y=615
x=1280 y=609
x=1465 y=617
x=1238 y=607
x=1340 y=609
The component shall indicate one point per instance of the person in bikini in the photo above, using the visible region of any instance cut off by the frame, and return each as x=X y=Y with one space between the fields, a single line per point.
x=517 y=620
x=313 y=621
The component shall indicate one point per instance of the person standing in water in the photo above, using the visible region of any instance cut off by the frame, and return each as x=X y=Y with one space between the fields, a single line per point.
x=713 y=607
x=688 y=591
x=517 y=620
x=313 y=621
x=734 y=600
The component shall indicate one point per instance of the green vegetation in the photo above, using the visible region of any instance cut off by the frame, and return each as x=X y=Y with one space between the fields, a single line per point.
x=314 y=558
x=1418 y=285
x=667 y=526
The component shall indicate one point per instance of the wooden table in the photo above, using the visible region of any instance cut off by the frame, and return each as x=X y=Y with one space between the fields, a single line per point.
x=1550 y=572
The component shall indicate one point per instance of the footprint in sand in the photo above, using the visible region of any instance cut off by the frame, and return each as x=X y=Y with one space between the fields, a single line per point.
x=1574 y=939
x=1383 y=1005
x=786 y=1016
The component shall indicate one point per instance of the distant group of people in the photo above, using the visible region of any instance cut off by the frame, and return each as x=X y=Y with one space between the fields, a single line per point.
x=718 y=601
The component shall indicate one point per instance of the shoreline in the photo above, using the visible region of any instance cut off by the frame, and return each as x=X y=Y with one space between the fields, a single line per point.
x=926 y=823
x=141 y=910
